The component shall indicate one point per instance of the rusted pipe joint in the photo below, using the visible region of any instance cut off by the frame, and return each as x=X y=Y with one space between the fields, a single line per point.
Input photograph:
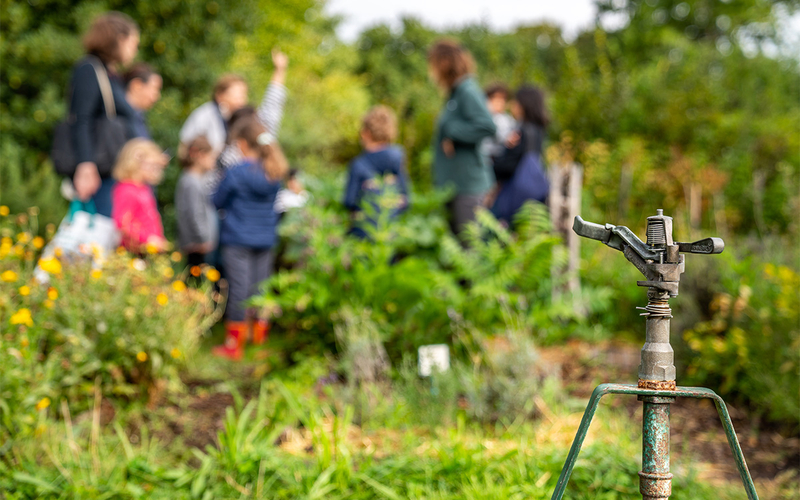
x=653 y=485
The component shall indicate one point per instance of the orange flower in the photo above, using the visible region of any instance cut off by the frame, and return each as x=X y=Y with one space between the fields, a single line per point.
x=195 y=270
x=52 y=293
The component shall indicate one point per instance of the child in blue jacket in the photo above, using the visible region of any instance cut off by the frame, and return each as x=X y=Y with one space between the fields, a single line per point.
x=247 y=233
x=380 y=166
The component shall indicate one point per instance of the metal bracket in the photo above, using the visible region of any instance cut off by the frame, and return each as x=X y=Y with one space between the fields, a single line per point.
x=687 y=392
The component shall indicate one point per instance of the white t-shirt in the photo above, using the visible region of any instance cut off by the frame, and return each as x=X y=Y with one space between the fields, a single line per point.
x=206 y=121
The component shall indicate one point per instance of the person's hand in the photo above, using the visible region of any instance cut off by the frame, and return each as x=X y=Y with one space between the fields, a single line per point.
x=448 y=148
x=513 y=139
x=206 y=247
x=281 y=62
x=86 y=180
x=157 y=242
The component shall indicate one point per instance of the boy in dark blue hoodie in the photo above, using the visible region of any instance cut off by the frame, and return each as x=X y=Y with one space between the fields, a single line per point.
x=378 y=169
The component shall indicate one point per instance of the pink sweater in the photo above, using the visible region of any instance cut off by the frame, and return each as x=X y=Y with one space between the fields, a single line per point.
x=135 y=212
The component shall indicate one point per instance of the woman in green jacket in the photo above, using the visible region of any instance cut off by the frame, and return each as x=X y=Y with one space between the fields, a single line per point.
x=462 y=125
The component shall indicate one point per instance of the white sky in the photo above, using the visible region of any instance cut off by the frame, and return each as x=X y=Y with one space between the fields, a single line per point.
x=504 y=15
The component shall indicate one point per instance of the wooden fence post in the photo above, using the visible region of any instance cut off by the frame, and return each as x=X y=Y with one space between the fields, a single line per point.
x=566 y=182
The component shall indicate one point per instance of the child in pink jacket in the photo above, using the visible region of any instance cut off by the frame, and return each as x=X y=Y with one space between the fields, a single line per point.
x=140 y=166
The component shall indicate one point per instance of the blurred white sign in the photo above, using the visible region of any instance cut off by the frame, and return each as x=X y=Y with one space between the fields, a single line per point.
x=432 y=357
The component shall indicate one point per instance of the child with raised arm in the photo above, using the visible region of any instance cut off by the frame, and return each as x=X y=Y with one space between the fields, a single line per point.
x=248 y=236
x=140 y=166
x=381 y=164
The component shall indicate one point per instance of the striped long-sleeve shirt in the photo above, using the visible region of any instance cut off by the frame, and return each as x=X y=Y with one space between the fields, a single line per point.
x=269 y=113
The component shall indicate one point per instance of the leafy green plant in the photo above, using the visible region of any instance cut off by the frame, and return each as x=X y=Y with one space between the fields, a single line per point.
x=128 y=325
x=749 y=349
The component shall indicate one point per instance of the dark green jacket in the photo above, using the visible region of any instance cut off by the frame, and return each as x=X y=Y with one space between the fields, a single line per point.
x=466 y=121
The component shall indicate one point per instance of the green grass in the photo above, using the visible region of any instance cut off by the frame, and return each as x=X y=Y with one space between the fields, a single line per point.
x=294 y=441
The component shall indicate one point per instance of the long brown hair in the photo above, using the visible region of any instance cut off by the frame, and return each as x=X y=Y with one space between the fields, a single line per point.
x=451 y=61
x=257 y=137
x=102 y=39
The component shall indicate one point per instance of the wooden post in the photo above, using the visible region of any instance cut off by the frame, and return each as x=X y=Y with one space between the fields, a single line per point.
x=566 y=182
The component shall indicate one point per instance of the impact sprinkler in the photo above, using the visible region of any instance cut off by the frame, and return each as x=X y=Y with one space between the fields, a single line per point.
x=661 y=261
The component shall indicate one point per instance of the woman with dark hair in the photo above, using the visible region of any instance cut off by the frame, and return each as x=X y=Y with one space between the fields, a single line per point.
x=112 y=41
x=462 y=125
x=518 y=169
x=142 y=91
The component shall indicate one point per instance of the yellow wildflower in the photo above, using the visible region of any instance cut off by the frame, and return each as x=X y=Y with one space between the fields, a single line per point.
x=96 y=274
x=24 y=237
x=19 y=250
x=179 y=286
x=24 y=290
x=168 y=272
x=162 y=299
x=52 y=293
x=9 y=276
x=7 y=241
x=48 y=303
x=38 y=242
x=212 y=275
x=42 y=404
x=4 y=211
x=50 y=265
x=151 y=248
x=24 y=342
x=175 y=353
x=176 y=256
x=141 y=356
x=22 y=317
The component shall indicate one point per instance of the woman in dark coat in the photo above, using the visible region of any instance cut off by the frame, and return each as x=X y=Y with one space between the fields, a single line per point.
x=529 y=110
x=113 y=39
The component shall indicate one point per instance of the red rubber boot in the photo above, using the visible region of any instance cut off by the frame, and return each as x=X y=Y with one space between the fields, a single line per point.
x=235 y=335
x=260 y=331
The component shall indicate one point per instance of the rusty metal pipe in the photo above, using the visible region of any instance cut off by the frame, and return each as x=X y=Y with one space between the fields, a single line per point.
x=655 y=480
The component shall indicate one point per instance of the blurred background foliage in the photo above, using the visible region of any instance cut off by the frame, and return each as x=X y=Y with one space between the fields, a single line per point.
x=691 y=106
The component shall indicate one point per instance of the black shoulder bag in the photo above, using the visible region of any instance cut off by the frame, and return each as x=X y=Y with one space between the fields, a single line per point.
x=109 y=130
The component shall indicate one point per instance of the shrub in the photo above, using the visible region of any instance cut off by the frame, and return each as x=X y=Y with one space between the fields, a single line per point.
x=749 y=350
x=127 y=326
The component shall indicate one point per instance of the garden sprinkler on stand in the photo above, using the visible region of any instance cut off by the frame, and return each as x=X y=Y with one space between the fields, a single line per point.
x=661 y=261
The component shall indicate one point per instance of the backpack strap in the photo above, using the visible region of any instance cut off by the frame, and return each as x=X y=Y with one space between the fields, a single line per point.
x=105 y=87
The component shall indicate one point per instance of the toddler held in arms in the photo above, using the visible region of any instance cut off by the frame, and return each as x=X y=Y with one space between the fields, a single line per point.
x=196 y=215
x=140 y=166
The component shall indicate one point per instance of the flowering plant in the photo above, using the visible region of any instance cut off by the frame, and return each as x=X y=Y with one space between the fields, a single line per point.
x=127 y=326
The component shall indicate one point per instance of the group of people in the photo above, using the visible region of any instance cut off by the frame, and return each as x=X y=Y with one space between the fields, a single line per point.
x=236 y=181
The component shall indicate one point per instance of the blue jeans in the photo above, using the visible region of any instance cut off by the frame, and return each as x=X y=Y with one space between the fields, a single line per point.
x=102 y=198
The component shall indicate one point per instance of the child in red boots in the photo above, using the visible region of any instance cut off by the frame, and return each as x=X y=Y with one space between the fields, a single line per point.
x=248 y=230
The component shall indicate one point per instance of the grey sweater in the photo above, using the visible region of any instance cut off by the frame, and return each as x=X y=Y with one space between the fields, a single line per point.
x=197 y=218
